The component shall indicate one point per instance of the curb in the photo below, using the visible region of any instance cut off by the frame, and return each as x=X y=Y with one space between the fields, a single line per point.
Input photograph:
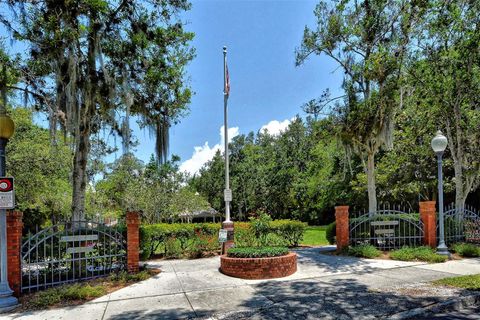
x=450 y=304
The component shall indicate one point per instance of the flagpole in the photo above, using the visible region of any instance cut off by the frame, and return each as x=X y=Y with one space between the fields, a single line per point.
x=225 y=128
x=227 y=225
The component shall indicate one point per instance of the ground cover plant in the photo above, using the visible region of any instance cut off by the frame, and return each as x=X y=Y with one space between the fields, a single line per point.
x=257 y=252
x=78 y=293
x=466 y=249
x=471 y=282
x=425 y=254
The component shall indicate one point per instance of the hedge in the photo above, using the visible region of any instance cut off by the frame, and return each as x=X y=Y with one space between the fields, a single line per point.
x=257 y=252
x=193 y=239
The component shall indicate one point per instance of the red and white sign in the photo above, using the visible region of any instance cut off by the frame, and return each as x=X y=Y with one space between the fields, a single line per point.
x=7 y=194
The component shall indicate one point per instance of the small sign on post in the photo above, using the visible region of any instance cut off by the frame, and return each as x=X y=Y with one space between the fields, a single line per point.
x=7 y=193
x=227 y=194
x=222 y=235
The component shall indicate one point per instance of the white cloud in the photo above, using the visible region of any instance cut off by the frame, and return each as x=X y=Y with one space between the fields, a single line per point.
x=202 y=154
x=275 y=127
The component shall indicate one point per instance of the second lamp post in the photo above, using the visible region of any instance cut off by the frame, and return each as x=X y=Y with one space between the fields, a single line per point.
x=439 y=144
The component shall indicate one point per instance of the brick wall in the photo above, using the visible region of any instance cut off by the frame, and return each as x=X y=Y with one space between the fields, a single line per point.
x=428 y=215
x=133 y=241
x=259 y=268
x=342 y=227
x=14 y=244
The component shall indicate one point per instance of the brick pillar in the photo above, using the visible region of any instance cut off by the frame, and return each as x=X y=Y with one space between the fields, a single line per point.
x=428 y=215
x=133 y=241
x=342 y=228
x=230 y=236
x=14 y=245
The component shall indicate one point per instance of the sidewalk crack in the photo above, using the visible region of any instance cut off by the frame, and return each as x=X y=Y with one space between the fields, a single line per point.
x=183 y=290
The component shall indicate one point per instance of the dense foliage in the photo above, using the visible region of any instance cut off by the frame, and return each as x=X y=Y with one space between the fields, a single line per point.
x=194 y=239
x=257 y=252
x=159 y=191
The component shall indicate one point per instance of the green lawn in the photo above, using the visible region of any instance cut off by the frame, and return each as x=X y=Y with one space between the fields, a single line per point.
x=315 y=236
x=466 y=282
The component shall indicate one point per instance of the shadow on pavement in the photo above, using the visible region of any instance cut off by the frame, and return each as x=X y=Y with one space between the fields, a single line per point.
x=339 y=299
x=312 y=258
x=156 y=314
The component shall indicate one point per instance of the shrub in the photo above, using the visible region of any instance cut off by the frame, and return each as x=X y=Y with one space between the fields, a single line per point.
x=364 y=251
x=173 y=248
x=331 y=232
x=244 y=236
x=176 y=238
x=261 y=228
x=291 y=231
x=425 y=254
x=257 y=252
x=466 y=249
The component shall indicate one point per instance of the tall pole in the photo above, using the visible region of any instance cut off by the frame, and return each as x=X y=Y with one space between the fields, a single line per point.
x=227 y=193
x=7 y=301
x=225 y=128
x=442 y=248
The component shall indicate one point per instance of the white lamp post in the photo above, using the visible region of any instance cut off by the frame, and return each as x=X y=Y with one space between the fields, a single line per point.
x=439 y=144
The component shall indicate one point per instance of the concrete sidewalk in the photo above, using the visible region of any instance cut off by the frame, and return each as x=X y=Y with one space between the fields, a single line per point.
x=323 y=287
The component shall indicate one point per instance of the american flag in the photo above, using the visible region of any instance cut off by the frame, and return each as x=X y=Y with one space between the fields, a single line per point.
x=227 y=81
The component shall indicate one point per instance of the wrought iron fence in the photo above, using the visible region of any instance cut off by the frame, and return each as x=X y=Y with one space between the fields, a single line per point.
x=386 y=229
x=461 y=224
x=69 y=252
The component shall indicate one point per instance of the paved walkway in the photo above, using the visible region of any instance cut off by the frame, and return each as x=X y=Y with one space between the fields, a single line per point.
x=323 y=287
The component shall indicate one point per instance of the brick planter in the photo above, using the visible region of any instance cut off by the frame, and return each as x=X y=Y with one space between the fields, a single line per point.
x=259 y=268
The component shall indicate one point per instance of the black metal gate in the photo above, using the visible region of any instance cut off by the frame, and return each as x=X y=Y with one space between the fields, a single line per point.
x=460 y=224
x=70 y=252
x=386 y=229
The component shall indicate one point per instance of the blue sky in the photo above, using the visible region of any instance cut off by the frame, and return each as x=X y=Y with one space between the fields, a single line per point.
x=266 y=87
x=261 y=37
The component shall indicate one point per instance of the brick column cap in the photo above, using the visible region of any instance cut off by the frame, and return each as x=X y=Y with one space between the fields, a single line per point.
x=427 y=206
x=14 y=214
x=341 y=210
x=133 y=217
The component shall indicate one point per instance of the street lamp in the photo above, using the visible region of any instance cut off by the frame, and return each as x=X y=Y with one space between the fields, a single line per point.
x=439 y=144
x=7 y=301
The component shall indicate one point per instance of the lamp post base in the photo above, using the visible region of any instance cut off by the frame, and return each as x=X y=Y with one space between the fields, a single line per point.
x=443 y=250
x=8 y=303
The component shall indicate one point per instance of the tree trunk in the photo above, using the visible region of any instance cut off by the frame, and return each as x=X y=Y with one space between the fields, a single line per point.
x=372 y=192
x=83 y=130
x=460 y=192
x=82 y=149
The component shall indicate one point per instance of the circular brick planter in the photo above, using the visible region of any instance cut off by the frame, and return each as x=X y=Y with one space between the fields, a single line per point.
x=259 y=268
